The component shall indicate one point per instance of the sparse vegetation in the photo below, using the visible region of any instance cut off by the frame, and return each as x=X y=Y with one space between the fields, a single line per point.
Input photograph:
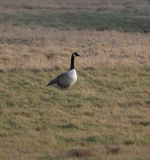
x=105 y=115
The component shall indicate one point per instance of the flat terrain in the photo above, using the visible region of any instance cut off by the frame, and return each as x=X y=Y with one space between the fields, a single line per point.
x=116 y=15
x=106 y=114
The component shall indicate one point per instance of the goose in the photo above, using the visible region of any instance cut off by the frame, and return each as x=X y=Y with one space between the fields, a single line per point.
x=67 y=79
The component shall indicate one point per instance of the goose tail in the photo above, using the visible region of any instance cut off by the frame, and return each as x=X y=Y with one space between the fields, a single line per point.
x=48 y=84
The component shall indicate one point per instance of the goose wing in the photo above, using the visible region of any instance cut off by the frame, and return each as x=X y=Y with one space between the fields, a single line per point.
x=59 y=80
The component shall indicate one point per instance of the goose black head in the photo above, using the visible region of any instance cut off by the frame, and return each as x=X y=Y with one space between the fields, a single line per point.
x=75 y=54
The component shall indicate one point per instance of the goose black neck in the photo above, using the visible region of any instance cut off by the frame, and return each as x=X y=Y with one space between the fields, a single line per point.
x=72 y=62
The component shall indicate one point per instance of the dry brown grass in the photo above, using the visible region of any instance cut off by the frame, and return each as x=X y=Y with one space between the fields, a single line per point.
x=43 y=48
x=81 y=152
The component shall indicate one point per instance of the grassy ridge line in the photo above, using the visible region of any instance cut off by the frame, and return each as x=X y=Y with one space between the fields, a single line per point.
x=78 y=4
x=127 y=20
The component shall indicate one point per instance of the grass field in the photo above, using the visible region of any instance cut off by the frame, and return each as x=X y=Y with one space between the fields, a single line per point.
x=106 y=114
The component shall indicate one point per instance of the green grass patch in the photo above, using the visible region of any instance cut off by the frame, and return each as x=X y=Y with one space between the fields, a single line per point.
x=109 y=109
x=127 y=20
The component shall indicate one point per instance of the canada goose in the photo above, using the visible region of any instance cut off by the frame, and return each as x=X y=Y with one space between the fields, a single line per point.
x=66 y=79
